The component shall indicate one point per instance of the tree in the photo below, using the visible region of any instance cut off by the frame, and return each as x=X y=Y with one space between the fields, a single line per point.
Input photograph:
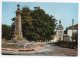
x=6 y=32
x=43 y=23
x=36 y=24
x=65 y=32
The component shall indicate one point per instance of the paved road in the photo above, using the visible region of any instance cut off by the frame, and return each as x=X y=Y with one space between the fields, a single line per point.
x=49 y=50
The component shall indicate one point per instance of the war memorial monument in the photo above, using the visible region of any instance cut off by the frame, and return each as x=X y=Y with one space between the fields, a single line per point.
x=19 y=44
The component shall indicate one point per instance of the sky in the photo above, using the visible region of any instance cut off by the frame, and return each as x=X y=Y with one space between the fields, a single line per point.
x=61 y=11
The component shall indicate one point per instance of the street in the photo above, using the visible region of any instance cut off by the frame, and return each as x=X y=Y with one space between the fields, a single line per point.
x=49 y=50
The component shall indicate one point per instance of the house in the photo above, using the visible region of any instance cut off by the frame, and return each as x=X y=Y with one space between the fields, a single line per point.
x=73 y=29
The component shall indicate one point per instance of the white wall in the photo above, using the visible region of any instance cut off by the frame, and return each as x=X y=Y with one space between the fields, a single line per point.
x=69 y=32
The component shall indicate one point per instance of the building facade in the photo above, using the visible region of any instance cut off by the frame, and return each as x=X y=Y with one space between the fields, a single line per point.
x=60 y=31
x=72 y=30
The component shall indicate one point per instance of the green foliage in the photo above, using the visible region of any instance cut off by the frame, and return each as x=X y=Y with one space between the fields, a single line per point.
x=75 y=36
x=33 y=35
x=43 y=23
x=6 y=32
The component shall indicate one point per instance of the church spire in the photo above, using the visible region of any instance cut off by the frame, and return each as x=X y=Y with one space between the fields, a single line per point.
x=59 y=22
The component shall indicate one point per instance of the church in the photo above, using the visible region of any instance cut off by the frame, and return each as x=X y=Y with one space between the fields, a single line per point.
x=59 y=33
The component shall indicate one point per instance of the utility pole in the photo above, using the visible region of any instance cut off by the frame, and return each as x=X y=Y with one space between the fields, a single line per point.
x=72 y=31
x=72 y=26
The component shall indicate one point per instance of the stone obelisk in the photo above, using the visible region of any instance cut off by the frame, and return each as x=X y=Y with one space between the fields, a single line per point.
x=18 y=28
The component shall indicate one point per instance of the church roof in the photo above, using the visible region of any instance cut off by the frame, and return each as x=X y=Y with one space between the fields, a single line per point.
x=59 y=27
